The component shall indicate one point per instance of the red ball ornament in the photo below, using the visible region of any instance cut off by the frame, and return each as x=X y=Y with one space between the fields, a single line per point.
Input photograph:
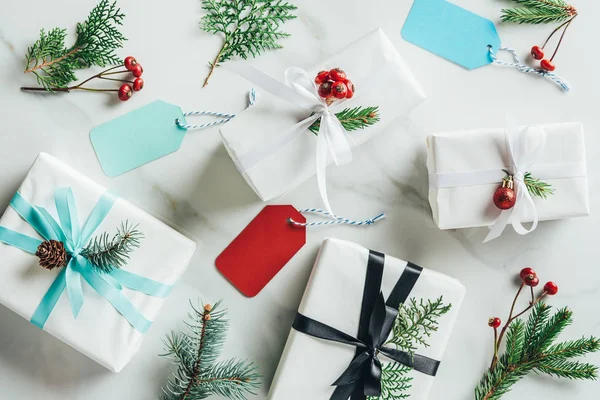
x=494 y=322
x=505 y=197
x=125 y=92
x=339 y=90
x=551 y=288
x=547 y=65
x=537 y=53
x=337 y=74
x=129 y=63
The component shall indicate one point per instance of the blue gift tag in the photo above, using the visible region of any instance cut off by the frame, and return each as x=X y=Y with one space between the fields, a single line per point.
x=138 y=137
x=451 y=32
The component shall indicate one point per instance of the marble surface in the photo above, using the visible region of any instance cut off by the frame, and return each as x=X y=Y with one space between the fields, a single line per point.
x=199 y=191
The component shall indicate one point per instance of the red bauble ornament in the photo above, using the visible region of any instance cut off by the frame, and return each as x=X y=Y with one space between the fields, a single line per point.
x=494 y=322
x=339 y=90
x=505 y=197
x=547 y=65
x=138 y=84
x=129 y=63
x=137 y=70
x=325 y=90
x=551 y=288
x=322 y=77
x=537 y=52
x=125 y=92
x=337 y=74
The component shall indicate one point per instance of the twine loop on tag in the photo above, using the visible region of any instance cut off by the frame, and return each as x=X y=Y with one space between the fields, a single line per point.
x=526 y=68
x=337 y=220
x=225 y=117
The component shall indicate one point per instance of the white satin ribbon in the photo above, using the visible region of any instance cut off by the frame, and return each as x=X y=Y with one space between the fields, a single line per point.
x=299 y=89
x=522 y=159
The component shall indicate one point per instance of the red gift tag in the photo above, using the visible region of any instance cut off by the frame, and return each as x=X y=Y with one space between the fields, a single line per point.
x=259 y=252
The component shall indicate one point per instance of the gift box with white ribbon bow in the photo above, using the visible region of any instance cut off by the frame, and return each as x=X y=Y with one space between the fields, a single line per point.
x=339 y=343
x=467 y=167
x=270 y=142
x=104 y=315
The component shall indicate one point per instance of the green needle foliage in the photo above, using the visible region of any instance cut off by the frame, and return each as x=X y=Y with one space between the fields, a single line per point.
x=352 y=118
x=536 y=187
x=416 y=321
x=107 y=253
x=531 y=347
x=196 y=351
x=54 y=64
x=538 y=12
x=249 y=27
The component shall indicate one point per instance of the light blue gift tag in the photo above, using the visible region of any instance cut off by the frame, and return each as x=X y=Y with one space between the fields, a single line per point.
x=451 y=32
x=138 y=137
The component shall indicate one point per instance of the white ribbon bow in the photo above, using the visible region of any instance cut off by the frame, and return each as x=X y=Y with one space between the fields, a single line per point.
x=299 y=89
x=522 y=159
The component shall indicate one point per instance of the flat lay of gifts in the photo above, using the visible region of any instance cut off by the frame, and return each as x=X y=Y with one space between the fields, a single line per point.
x=93 y=270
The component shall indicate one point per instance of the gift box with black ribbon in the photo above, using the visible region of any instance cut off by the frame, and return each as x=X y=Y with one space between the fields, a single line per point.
x=369 y=325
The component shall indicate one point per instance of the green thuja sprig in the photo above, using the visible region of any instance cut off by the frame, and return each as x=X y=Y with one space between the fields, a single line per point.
x=539 y=12
x=416 y=321
x=106 y=252
x=530 y=347
x=248 y=27
x=54 y=64
x=352 y=118
x=195 y=353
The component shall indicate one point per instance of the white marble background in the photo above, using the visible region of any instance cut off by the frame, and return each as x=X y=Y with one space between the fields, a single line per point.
x=199 y=191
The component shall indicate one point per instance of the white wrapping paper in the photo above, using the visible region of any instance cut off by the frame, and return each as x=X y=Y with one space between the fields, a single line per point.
x=396 y=93
x=485 y=149
x=333 y=296
x=99 y=331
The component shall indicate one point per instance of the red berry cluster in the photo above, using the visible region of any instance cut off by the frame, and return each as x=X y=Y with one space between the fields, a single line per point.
x=334 y=84
x=537 y=52
x=126 y=90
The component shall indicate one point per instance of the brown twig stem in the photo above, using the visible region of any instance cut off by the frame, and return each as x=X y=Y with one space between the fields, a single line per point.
x=79 y=86
x=196 y=368
x=214 y=64
x=48 y=63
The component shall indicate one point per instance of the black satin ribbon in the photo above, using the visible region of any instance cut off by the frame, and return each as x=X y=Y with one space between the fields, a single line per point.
x=362 y=378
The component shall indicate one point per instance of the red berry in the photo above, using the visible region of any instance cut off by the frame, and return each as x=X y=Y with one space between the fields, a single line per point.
x=551 y=288
x=325 y=90
x=137 y=70
x=526 y=272
x=532 y=281
x=337 y=74
x=125 y=92
x=339 y=90
x=322 y=77
x=547 y=65
x=494 y=322
x=138 y=84
x=537 y=53
x=350 y=87
x=130 y=62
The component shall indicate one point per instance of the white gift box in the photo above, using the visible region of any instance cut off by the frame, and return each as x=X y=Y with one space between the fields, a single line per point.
x=395 y=91
x=473 y=152
x=99 y=331
x=309 y=366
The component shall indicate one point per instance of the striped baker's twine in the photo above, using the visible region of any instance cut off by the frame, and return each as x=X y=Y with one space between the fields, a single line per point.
x=225 y=117
x=337 y=220
x=527 y=69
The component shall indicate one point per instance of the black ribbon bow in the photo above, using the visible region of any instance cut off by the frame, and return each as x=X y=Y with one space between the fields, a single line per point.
x=362 y=378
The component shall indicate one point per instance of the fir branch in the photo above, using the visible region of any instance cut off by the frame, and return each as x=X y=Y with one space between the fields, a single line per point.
x=533 y=16
x=352 y=119
x=416 y=321
x=195 y=352
x=529 y=348
x=544 y=5
x=248 y=27
x=535 y=186
x=54 y=65
x=106 y=253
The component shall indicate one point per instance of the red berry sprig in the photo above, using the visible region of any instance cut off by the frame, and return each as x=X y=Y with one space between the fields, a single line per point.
x=528 y=278
x=124 y=92
x=334 y=84
x=537 y=52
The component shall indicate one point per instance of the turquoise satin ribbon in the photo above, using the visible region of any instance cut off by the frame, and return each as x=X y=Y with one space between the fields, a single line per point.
x=69 y=231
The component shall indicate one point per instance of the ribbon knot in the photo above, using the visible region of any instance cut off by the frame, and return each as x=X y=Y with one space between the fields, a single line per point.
x=522 y=158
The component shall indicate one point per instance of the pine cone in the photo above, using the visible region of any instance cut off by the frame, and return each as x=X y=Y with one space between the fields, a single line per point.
x=52 y=254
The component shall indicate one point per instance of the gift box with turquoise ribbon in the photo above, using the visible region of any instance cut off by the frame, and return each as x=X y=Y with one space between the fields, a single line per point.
x=101 y=306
